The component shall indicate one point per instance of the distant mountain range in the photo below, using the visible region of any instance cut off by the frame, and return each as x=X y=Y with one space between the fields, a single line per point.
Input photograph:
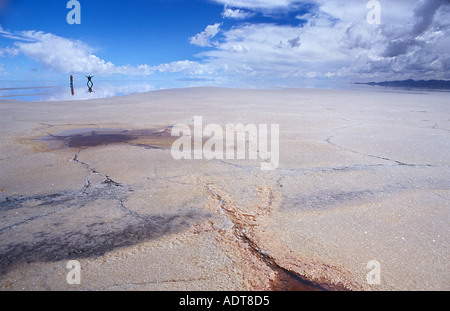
x=423 y=84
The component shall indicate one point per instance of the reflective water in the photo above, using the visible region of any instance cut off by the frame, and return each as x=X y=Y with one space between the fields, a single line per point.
x=57 y=91
x=62 y=90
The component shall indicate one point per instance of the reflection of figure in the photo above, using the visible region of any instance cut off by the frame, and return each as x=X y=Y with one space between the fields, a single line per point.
x=90 y=84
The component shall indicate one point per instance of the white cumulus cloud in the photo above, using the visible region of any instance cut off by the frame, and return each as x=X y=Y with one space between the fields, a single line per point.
x=235 y=13
x=65 y=55
x=329 y=39
x=203 y=39
x=334 y=40
x=258 y=4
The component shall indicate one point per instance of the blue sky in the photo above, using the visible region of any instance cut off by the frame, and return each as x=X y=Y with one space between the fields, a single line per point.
x=226 y=42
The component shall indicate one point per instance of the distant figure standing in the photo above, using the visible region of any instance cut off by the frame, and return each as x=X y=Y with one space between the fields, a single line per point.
x=71 y=85
x=90 y=84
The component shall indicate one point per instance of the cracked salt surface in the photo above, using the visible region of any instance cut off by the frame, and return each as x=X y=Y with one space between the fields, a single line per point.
x=358 y=181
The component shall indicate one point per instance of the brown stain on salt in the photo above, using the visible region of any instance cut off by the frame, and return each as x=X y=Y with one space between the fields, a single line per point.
x=89 y=137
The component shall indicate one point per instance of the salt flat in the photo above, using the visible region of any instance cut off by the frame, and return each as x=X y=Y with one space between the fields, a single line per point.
x=362 y=176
